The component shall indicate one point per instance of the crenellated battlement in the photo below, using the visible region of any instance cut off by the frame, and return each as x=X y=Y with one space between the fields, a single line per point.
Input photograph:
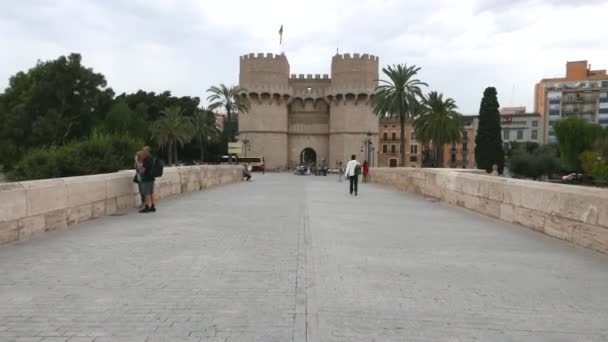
x=356 y=56
x=309 y=77
x=268 y=55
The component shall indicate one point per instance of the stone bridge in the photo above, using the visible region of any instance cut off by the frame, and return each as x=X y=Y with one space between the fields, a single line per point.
x=288 y=258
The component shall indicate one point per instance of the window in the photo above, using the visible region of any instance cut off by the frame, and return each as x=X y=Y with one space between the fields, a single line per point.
x=603 y=121
x=505 y=134
x=554 y=101
x=535 y=123
x=385 y=136
x=534 y=134
x=453 y=158
x=413 y=159
x=413 y=136
x=394 y=136
x=384 y=148
x=554 y=112
x=393 y=149
x=520 y=134
x=393 y=163
x=414 y=149
x=603 y=111
x=465 y=147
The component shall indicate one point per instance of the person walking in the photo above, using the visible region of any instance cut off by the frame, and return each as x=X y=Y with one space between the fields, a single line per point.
x=246 y=172
x=340 y=172
x=148 y=179
x=353 y=169
x=365 y=170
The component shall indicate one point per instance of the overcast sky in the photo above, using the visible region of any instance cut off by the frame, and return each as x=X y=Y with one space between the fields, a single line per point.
x=185 y=46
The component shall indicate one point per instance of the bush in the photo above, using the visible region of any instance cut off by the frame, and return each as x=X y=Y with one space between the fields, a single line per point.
x=575 y=135
x=594 y=165
x=98 y=154
x=533 y=164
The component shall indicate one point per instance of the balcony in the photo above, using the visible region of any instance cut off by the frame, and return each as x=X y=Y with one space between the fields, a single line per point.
x=579 y=99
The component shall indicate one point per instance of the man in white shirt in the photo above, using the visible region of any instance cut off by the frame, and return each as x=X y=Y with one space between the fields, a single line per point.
x=353 y=168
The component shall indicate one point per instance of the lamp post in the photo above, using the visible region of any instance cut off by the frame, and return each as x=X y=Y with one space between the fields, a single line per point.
x=246 y=146
x=368 y=147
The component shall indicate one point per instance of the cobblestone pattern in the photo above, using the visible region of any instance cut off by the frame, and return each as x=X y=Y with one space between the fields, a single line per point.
x=288 y=258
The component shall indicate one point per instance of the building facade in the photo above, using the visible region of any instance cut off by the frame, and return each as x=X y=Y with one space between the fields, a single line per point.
x=389 y=154
x=461 y=155
x=519 y=126
x=582 y=92
x=298 y=119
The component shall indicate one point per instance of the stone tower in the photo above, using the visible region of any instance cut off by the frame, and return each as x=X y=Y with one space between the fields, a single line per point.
x=308 y=118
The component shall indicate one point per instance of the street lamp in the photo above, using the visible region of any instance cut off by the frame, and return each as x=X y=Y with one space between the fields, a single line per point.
x=367 y=146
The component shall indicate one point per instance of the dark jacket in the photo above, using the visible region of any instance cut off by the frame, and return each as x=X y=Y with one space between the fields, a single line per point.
x=148 y=163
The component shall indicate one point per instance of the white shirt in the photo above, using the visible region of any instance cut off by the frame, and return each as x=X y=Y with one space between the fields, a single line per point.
x=350 y=168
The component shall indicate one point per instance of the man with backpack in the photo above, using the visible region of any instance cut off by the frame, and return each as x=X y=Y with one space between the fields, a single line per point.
x=353 y=170
x=150 y=169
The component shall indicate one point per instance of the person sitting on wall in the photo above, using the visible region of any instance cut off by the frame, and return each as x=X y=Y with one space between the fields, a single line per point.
x=246 y=172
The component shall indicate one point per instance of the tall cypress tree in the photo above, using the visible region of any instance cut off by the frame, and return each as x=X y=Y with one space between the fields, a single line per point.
x=488 y=142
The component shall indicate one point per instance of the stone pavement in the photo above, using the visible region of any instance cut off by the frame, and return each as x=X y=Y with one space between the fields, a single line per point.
x=288 y=258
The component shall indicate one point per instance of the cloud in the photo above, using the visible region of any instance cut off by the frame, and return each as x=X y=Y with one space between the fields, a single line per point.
x=186 y=46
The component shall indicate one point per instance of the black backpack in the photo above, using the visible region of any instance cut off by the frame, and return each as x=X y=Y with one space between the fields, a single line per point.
x=157 y=168
x=357 y=169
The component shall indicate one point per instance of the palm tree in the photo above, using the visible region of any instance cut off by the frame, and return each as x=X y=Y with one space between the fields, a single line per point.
x=228 y=98
x=171 y=129
x=204 y=128
x=399 y=95
x=439 y=123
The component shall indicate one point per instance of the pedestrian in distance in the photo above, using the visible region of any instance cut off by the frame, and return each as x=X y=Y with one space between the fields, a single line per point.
x=365 y=170
x=149 y=170
x=340 y=172
x=353 y=170
x=246 y=173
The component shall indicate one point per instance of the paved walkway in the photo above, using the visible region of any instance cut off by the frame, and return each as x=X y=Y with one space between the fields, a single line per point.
x=288 y=258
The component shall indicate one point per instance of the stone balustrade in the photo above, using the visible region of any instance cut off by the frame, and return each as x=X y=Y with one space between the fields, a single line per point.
x=572 y=213
x=32 y=208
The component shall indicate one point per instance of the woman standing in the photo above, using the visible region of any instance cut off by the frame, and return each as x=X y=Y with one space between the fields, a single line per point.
x=365 y=171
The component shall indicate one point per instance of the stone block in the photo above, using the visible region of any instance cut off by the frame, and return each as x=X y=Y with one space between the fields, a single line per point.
x=99 y=209
x=13 y=204
x=56 y=220
x=30 y=227
x=512 y=193
x=111 y=206
x=580 y=206
x=496 y=190
x=44 y=196
x=203 y=174
x=79 y=214
x=120 y=184
x=559 y=227
x=530 y=218
x=539 y=197
x=507 y=213
x=591 y=236
x=85 y=189
x=9 y=231
x=189 y=178
x=124 y=202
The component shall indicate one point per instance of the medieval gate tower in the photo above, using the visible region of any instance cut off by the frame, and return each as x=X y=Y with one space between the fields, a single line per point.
x=304 y=118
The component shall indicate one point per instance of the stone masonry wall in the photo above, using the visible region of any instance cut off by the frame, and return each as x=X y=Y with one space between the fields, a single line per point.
x=572 y=213
x=32 y=208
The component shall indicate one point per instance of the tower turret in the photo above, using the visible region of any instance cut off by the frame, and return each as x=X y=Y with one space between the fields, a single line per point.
x=265 y=77
x=353 y=82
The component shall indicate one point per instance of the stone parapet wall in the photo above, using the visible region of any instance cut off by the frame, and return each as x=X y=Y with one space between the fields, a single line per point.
x=572 y=213
x=32 y=208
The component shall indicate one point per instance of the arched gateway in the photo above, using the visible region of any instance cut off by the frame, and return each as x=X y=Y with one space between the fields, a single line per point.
x=308 y=156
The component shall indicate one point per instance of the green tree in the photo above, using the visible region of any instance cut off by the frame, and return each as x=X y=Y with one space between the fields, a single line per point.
x=121 y=120
x=575 y=135
x=399 y=95
x=488 y=142
x=439 y=123
x=231 y=100
x=172 y=129
x=52 y=103
x=204 y=129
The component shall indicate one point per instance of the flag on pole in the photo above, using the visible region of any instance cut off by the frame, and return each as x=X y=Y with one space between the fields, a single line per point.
x=281 y=35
